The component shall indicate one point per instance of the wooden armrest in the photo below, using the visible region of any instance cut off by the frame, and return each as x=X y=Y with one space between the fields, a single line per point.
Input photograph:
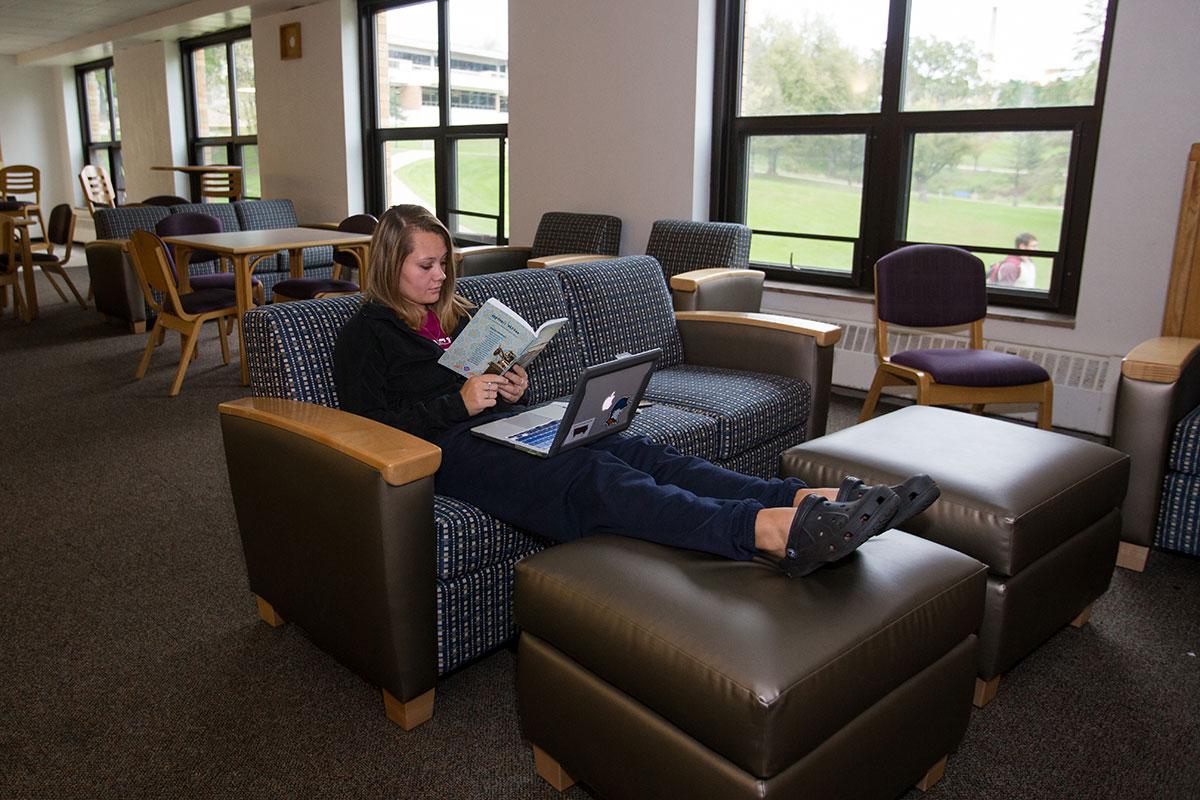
x=399 y=457
x=824 y=333
x=564 y=259
x=122 y=244
x=1159 y=360
x=690 y=281
x=462 y=252
x=324 y=226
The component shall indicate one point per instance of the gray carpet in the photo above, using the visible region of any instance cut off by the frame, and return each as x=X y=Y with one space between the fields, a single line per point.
x=133 y=664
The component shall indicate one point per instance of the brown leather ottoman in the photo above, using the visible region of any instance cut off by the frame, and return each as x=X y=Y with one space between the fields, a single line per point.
x=647 y=671
x=1041 y=509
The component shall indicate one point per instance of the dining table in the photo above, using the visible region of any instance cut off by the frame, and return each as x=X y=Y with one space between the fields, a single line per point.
x=22 y=221
x=244 y=249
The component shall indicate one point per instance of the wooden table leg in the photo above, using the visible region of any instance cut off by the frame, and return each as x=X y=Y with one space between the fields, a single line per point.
x=31 y=301
x=241 y=271
x=296 y=263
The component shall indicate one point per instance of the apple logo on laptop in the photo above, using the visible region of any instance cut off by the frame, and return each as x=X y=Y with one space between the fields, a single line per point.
x=608 y=401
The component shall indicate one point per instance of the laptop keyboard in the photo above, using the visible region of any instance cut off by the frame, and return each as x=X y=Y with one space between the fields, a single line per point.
x=541 y=436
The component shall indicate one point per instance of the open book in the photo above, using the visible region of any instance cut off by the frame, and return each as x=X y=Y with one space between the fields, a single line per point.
x=495 y=339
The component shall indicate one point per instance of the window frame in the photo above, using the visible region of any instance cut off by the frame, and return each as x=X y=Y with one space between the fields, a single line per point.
x=887 y=160
x=445 y=136
x=115 y=167
x=233 y=144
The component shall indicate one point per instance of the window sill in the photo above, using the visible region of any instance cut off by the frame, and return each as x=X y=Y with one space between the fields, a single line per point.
x=1027 y=315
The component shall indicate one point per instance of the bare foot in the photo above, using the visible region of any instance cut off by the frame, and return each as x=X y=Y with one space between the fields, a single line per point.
x=771 y=528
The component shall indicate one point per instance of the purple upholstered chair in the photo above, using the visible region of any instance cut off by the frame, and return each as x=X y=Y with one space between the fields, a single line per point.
x=934 y=286
x=187 y=223
x=310 y=288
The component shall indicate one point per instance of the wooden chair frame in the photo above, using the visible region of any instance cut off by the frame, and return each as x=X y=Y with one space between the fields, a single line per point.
x=227 y=184
x=49 y=268
x=10 y=275
x=97 y=188
x=153 y=271
x=932 y=393
x=19 y=179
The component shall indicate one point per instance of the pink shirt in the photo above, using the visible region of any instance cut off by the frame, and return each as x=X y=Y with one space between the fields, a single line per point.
x=432 y=330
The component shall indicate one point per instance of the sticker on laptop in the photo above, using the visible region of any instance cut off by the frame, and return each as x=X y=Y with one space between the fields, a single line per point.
x=579 y=430
x=615 y=408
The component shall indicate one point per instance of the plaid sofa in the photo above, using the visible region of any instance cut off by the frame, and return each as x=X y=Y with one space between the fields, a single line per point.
x=727 y=388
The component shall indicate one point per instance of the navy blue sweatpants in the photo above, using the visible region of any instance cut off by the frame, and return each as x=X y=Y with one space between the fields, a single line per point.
x=626 y=486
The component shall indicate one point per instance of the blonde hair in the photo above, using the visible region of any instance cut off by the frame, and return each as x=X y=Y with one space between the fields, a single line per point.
x=391 y=244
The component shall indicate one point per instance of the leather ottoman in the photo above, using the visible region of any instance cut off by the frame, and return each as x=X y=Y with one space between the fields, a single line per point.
x=646 y=671
x=1041 y=509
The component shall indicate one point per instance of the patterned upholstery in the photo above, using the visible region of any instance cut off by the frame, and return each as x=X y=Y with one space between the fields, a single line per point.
x=1179 y=511
x=119 y=223
x=262 y=215
x=561 y=232
x=222 y=211
x=537 y=296
x=289 y=348
x=622 y=306
x=749 y=407
x=683 y=245
x=739 y=419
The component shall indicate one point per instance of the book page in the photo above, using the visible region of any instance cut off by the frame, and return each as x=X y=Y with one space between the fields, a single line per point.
x=490 y=344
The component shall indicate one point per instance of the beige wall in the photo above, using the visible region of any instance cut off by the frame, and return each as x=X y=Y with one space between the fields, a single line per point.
x=309 y=138
x=153 y=127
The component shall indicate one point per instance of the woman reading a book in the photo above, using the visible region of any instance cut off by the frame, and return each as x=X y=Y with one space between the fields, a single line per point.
x=386 y=368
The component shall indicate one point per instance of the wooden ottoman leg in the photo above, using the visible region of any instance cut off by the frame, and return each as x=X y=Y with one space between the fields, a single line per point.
x=411 y=714
x=985 y=691
x=1132 y=556
x=934 y=775
x=266 y=612
x=551 y=770
x=1083 y=617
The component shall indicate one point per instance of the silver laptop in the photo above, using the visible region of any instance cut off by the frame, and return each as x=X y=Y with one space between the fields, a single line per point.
x=605 y=400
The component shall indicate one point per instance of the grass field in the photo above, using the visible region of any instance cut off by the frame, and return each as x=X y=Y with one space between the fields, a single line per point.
x=478 y=177
x=806 y=206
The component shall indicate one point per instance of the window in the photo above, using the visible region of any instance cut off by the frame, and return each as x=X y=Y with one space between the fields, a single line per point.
x=848 y=128
x=222 y=114
x=96 y=88
x=436 y=111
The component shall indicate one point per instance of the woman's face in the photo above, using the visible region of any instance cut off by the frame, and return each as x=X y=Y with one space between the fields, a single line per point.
x=424 y=269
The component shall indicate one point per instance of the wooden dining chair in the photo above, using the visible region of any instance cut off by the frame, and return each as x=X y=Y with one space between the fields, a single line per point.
x=312 y=288
x=23 y=183
x=939 y=287
x=10 y=265
x=60 y=233
x=97 y=188
x=185 y=313
x=221 y=184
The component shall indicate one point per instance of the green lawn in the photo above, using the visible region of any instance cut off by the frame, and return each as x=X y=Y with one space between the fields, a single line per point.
x=803 y=206
x=478 y=178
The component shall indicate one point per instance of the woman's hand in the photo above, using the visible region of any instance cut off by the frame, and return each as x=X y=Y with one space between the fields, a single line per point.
x=516 y=381
x=480 y=392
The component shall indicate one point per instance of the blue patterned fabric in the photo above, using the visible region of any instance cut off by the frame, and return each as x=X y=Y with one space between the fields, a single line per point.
x=689 y=433
x=469 y=539
x=537 y=296
x=563 y=232
x=1179 y=514
x=119 y=223
x=1185 y=446
x=474 y=613
x=621 y=306
x=763 y=461
x=262 y=215
x=222 y=211
x=289 y=348
x=749 y=407
x=682 y=245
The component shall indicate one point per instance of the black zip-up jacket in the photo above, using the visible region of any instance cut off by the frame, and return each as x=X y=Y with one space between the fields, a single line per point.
x=386 y=371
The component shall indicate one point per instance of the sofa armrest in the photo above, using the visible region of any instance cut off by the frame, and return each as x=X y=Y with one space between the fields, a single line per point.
x=564 y=259
x=770 y=343
x=324 y=226
x=1160 y=384
x=486 y=259
x=717 y=289
x=335 y=514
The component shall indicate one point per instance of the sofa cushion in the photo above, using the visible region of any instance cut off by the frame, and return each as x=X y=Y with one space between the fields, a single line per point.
x=468 y=538
x=261 y=215
x=749 y=407
x=119 y=223
x=621 y=306
x=222 y=211
x=689 y=433
x=1185 y=445
x=289 y=347
x=537 y=296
